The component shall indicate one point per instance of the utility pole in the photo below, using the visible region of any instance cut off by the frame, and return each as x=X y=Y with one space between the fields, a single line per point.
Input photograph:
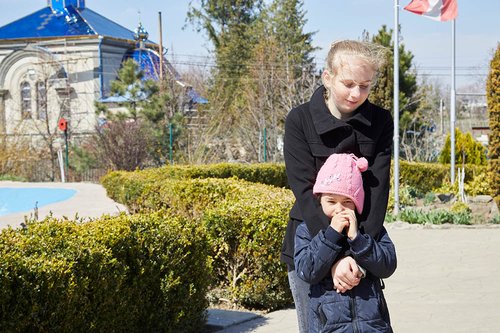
x=396 y=108
x=161 y=49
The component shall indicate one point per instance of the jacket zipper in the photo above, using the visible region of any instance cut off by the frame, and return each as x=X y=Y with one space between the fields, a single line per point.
x=354 y=314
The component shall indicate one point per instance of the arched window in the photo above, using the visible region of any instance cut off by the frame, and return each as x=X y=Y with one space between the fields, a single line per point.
x=41 y=100
x=25 y=100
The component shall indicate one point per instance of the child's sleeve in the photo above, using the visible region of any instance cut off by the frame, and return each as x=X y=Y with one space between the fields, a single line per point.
x=315 y=256
x=377 y=256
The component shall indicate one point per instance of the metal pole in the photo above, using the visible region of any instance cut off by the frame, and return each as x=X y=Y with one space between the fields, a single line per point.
x=67 y=150
x=170 y=143
x=452 y=105
x=160 y=53
x=265 y=145
x=396 y=107
x=61 y=165
x=260 y=147
x=441 y=124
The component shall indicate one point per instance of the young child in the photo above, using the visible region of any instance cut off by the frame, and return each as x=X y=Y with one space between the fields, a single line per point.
x=339 y=186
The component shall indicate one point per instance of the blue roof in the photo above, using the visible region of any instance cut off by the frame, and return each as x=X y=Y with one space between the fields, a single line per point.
x=70 y=18
x=195 y=97
x=46 y=23
x=104 y=26
x=125 y=98
x=148 y=61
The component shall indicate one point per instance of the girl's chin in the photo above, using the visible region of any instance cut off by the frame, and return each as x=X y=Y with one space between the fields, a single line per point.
x=347 y=110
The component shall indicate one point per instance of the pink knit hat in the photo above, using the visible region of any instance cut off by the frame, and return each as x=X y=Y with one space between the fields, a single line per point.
x=341 y=174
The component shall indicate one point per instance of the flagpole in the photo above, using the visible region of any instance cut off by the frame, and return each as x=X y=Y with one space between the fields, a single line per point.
x=452 y=105
x=396 y=107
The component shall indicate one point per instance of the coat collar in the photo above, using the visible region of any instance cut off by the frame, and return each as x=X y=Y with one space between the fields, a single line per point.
x=324 y=121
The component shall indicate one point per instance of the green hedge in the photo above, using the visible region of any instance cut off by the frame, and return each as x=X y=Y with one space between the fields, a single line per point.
x=246 y=235
x=118 y=274
x=125 y=187
x=425 y=177
x=264 y=173
x=245 y=222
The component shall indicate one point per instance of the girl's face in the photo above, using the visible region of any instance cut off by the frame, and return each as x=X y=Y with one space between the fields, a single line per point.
x=333 y=204
x=349 y=88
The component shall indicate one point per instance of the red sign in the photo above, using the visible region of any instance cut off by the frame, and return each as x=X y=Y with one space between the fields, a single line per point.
x=63 y=124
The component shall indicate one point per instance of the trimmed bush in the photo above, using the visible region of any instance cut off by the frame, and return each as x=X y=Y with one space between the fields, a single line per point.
x=264 y=173
x=426 y=177
x=245 y=222
x=122 y=274
x=246 y=237
x=127 y=187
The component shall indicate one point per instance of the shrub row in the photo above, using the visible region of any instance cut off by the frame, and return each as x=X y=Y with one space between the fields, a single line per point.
x=118 y=274
x=421 y=177
x=426 y=177
x=245 y=224
x=125 y=187
x=245 y=221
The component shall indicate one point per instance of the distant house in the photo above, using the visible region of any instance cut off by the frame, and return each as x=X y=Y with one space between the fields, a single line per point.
x=59 y=60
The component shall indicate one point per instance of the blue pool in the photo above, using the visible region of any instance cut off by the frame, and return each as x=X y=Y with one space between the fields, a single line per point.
x=15 y=200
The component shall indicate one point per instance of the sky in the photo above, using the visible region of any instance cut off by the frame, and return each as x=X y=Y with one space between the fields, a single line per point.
x=477 y=30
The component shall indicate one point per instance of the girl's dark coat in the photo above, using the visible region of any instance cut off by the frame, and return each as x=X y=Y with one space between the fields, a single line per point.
x=312 y=134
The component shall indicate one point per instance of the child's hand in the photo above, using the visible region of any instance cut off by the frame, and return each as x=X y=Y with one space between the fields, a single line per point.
x=340 y=221
x=345 y=274
x=353 y=225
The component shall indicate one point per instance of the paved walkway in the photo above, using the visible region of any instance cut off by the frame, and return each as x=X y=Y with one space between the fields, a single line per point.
x=446 y=281
x=90 y=201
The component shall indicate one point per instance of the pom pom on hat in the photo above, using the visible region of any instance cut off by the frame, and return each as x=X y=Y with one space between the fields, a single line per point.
x=362 y=164
x=341 y=174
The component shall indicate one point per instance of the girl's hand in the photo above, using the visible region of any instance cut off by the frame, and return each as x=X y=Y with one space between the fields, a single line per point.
x=340 y=221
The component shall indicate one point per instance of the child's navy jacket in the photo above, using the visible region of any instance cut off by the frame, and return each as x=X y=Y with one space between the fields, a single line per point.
x=362 y=309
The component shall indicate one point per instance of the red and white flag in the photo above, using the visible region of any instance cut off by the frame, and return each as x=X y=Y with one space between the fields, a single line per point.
x=439 y=10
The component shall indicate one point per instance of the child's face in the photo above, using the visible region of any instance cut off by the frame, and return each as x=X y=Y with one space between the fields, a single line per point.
x=333 y=204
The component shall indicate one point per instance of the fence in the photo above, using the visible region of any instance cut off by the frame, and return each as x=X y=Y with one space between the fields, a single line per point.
x=44 y=171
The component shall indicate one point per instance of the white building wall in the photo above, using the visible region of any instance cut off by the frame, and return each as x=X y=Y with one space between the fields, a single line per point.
x=78 y=72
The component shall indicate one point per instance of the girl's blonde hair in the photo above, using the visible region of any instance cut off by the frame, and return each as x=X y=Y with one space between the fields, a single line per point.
x=375 y=55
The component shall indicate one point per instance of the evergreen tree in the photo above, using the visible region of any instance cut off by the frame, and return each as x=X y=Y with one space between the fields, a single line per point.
x=493 y=101
x=424 y=138
x=264 y=67
x=145 y=117
x=382 y=93
x=281 y=76
x=467 y=150
x=228 y=25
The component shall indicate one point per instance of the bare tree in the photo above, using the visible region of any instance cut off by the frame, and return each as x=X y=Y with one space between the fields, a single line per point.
x=422 y=137
x=120 y=145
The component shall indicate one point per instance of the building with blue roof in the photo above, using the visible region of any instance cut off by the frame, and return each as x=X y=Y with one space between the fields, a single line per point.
x=59 y=60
